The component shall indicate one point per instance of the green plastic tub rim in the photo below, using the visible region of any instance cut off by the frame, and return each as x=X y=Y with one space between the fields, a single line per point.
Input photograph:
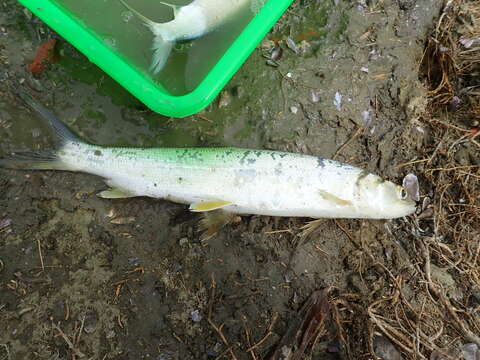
x=139 y=84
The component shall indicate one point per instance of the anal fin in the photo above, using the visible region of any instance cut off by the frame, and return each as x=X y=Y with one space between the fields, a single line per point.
x=114 y=193
x=202 y=206
x=213 y=221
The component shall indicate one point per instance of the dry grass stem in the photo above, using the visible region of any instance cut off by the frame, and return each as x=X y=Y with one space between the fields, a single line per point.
x=70 y=344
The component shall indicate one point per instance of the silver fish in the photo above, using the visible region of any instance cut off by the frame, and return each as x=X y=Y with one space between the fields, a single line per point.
x=238 y=181
x=191 y=21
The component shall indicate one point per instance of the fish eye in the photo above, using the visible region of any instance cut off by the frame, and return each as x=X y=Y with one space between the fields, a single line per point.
x=403 y=194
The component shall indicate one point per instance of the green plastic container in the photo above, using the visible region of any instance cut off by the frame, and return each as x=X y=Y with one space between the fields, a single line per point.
x=150 y=92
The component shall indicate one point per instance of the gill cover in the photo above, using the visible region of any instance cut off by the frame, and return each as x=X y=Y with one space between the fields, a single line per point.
x=382 y=199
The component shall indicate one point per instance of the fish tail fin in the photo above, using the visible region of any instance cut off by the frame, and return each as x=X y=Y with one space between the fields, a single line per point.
x=63 y=133
x=34 y=160
x=161 y=51
x=42 y=159
x=161 y=47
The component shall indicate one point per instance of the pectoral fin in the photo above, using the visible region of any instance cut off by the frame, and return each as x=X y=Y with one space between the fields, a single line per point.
x=114 y=193
x=334 y=199
x=208 y=205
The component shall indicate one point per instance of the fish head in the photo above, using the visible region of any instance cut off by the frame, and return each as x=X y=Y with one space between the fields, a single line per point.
x=383 y=199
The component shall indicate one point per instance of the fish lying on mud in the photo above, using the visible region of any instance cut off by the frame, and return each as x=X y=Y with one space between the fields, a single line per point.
x=238 y=181
x=191 y=21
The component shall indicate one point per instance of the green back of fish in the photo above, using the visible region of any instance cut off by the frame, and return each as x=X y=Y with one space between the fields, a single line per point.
x=218 y=157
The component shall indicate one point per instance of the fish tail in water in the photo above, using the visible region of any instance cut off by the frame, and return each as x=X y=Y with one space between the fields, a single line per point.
x=161 y=47
x=161 y=52
x=43 y=159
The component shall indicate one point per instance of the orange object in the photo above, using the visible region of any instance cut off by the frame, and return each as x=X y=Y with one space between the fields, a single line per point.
x=474 y=132
x=45 y=53
x=308 y=35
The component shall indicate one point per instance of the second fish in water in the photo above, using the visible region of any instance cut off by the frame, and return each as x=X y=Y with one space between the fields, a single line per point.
x=191 y=21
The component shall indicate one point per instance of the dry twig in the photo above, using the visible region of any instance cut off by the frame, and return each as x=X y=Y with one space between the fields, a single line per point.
x=68 y=341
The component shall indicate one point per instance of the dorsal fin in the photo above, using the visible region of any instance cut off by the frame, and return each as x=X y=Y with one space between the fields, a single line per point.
x=140 y=16
x=176 y=8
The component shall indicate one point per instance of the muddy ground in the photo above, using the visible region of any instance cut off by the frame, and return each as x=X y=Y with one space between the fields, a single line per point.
x=88 y=278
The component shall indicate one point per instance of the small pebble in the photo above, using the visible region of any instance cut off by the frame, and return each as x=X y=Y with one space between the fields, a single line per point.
x=444 y=49
x=367 y=118
x=277 y=53
x=470 y=351
x=468 y=43
x=304 y=47
x=292 y=46
x=123 y=220
x=5 y=223
x=270 y=62
x=476 y=293
x=90 y=323
x=410 y=183
x=296 y=298
x=315 y=96
x=225 y=99
x=338 y=101
x=455 y=101
x=195 y=316
x=426 y=202
x=384 y=349
x=426 y=214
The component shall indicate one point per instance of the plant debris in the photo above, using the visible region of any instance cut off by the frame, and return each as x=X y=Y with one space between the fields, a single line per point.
x=305 y=331
x=425 y=305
